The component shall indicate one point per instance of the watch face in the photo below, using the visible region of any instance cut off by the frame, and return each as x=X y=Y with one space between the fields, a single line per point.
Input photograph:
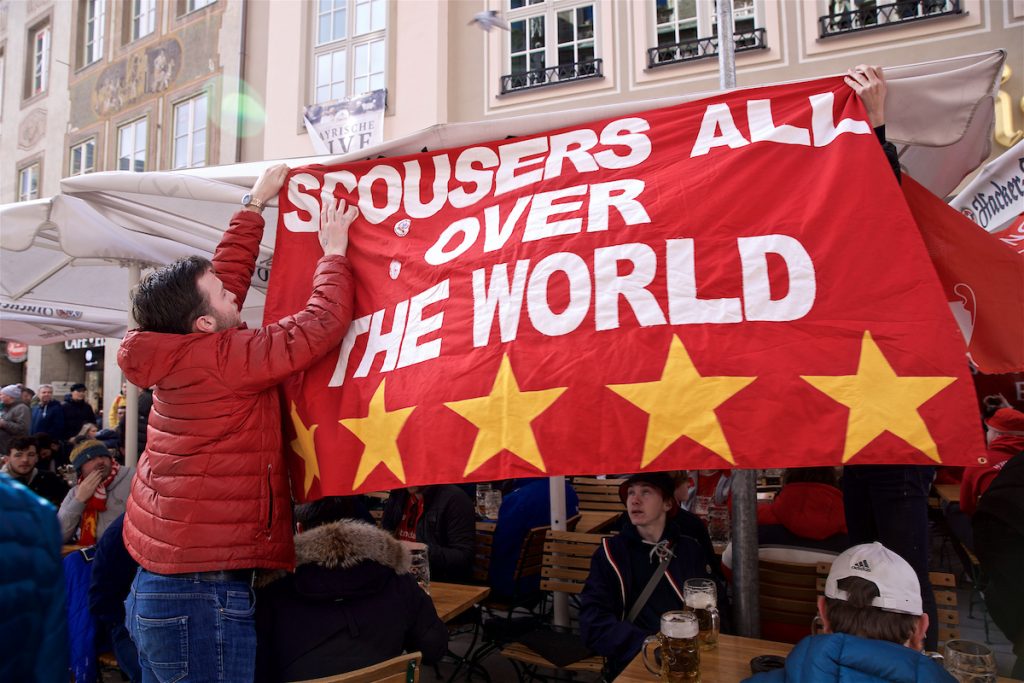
x=246 y=199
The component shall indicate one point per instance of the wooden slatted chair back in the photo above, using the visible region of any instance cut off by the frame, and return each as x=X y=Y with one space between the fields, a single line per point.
x=531 y=554
x=484 y=543
x=566 y=563
x=789 y=591
x=401 y=669
x=598 y=494
x=944 y=587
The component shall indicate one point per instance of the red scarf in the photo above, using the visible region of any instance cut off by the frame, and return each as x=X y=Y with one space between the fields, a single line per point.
x=96 y=505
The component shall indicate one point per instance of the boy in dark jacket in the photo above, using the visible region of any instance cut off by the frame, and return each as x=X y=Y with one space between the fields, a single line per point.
x=440 y=516
x=874 y=626
x=351 y=603
x=624 y=564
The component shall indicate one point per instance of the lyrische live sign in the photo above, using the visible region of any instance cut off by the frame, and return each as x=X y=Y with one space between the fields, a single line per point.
x=729 y=282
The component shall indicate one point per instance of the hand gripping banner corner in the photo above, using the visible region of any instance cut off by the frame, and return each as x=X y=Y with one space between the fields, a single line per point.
x=732 y=282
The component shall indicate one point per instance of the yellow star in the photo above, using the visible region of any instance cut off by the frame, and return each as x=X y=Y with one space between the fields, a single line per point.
x=682 y=403
x=879 y=400
x=305 y=447
x=379 y=432
x=503 y=418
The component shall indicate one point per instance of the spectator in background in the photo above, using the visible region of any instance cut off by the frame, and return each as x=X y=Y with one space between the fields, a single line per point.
x=47 y=448
x=526 y=506
x=443 y=517
x=20 y=463
x=88 y=431
x=28 y=396
x=874 y=626
x=349 y=604
x=48 y=415
x=113 y=416
x=99 y=496
x=77 y=411
x=16 y=418
x=34 y=646
x=1005 y=438
x=112 y=572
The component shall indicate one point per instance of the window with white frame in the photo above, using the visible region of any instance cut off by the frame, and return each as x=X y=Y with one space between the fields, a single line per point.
x=143 y=19
x=350 y=56
x=190 y=132
x=28 y=183
x=131 y=146
x=685 y=29
x=38 y=60
x=92 y=30
x=546 y=33
x=847 y=16
x=193 y=5
x=83 y=158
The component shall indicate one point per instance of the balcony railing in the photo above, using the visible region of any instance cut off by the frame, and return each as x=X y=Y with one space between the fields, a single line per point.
x=552 y=75
x=869 y=15
x=701 y=48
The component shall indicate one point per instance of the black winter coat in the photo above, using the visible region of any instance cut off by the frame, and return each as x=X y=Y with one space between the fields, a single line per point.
x=350 y=603
x=448 y=527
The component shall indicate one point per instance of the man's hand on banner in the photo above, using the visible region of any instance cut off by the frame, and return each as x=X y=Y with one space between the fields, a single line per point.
x=869 y=83
x=267 y=186
x=335 y=220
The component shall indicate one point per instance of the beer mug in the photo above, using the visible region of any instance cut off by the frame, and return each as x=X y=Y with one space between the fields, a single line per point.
x=701 y=597
x=419 y=564
x=481 y=492
x=676 y=651
x=970 y=662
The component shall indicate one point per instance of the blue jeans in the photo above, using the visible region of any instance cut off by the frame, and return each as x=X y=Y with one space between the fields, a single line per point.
x=889 y=504
x=192 y=630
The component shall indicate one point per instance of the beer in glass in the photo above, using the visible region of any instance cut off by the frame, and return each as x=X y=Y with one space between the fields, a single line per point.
x=676 y=653
x=701 y=598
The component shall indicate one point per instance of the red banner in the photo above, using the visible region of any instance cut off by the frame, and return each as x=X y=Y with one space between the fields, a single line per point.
x=982 y=278
x=730 y=282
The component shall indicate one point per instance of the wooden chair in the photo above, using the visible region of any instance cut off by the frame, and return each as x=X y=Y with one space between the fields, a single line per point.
x=483 y=545
x=401 y=669
x=565 y=567
x=789 y=598
x=598 y=494
x=944 y=587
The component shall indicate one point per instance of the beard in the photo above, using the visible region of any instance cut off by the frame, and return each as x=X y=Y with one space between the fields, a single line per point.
x=227 y=322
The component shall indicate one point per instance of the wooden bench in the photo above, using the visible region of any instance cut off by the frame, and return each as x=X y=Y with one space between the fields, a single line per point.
x=598 y=494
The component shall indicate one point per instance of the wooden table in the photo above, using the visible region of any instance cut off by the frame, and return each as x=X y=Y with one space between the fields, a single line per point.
x=948 y=493
x=594 y=521
x=452 y=599
x=727 y=663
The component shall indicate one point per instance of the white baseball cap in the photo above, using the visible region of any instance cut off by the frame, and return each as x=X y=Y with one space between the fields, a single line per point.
x=898 y=587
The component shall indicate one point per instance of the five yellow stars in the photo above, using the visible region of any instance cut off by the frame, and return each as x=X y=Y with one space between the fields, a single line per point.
x=682 y=403
x=503 y=418
x=379 y=432
x=305 y=447
x=881 y=401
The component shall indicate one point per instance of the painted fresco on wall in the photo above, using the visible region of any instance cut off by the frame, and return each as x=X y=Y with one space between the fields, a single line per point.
x=127 y=81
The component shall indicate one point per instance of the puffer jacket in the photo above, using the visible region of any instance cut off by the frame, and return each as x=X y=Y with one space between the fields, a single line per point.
x=212 y=492
x=807 y=510
x=32 y=598
x=350 y=603
x=842 y=657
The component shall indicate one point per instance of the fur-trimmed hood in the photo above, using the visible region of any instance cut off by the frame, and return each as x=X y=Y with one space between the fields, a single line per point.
x=331 y=549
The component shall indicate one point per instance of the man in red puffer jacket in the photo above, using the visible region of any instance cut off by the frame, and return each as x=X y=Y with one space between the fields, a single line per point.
x=210 y=503
x=1005 y=437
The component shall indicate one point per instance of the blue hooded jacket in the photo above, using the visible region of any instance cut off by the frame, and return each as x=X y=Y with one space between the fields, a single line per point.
x=846 y=658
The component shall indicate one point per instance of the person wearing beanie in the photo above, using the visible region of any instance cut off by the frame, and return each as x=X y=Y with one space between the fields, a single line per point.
x=874 y=626
x=16 y=417
x=99 y=496
x=624 y=564
x=1004 y=434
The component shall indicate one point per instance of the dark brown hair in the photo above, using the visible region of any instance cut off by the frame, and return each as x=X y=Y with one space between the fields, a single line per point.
x=858 y=617
x=169 y=299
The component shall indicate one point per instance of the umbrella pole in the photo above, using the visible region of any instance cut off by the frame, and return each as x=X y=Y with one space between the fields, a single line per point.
x=557 y=491
x=744 y=483
x=131 y=395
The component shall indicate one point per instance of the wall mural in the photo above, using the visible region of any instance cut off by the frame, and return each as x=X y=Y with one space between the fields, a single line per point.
x=145 y=72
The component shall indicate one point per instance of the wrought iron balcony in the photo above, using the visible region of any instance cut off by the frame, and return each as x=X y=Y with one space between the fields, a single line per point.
x=552 y=75
x=869 y=15
x=701 y=48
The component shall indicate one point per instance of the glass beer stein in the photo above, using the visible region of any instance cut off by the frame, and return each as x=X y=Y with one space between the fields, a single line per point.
x=701 y=598
x=676 y=653
x=970 y=662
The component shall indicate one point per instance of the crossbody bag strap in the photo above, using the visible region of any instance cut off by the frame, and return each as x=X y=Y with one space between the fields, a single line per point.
x=648 y=589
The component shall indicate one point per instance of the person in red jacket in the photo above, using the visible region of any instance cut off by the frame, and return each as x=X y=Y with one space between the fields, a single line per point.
x=210 y=503
x=1005 y=437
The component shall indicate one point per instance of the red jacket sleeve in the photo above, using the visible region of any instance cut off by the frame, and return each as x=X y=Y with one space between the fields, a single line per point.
x=235 y=258
x=252 y=360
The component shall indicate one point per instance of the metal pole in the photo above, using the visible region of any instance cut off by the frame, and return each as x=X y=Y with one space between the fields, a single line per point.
x=131 y=393
x=556 y=489
x=744 y=483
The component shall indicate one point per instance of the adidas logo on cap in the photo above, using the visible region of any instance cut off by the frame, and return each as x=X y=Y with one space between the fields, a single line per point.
x=862 y=566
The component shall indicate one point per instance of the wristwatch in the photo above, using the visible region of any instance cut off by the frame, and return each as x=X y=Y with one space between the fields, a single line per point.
x=248 y=200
